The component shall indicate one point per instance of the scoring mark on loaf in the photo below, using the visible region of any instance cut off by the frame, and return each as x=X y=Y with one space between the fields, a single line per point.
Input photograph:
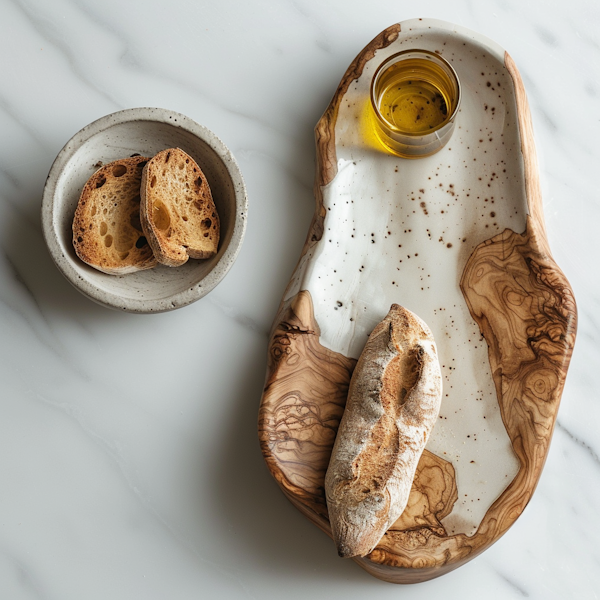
x=415 y=548
x=302 y=405
x=393 y=403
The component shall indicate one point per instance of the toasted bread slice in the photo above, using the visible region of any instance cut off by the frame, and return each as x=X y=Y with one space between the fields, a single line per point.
x=107 y=233
x=177 y=211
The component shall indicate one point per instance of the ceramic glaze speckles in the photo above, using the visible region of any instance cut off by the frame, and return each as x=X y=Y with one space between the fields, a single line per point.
x=401 y=231
x=459 y=239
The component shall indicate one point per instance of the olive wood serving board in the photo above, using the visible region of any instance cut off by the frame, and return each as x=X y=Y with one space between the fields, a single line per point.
x=459 y=239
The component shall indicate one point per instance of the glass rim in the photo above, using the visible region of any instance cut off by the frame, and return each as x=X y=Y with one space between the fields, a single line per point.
x=382 y=68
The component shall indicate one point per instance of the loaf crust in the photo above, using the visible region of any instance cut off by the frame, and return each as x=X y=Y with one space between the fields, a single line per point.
x=393 y=403
x=107 y=233
x=178 y=213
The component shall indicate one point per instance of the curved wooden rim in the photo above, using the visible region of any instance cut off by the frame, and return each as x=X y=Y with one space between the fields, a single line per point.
x=529 y=381
x=325 y=138
x=533 y=189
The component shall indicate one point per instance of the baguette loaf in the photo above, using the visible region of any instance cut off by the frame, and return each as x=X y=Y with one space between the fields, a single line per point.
x=107 y=233
x=178 y=214
x=393 y=403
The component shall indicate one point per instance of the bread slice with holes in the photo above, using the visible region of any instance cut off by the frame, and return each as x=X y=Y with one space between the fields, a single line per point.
x=178 y=214
x=107 y=232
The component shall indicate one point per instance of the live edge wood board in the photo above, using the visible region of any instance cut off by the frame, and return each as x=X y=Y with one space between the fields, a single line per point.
x=459 y=239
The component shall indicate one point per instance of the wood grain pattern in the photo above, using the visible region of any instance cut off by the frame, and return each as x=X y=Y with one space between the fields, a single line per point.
x=526 y=311
x=325 y=129
x=533 y=188
x=303 y=402
x=432 y=496
x=302 y=405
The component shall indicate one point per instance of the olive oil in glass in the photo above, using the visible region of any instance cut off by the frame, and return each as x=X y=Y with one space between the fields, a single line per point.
x=415 y=96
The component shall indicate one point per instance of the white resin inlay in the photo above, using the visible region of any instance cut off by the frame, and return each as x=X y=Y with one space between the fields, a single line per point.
x=123 y=480
x=401 y=231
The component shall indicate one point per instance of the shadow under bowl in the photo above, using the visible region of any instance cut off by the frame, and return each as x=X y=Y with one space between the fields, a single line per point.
x=144 y=131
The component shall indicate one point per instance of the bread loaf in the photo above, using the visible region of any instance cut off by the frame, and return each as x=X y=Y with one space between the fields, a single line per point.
x=178 y=214
x=393 y=403
x=107 y=233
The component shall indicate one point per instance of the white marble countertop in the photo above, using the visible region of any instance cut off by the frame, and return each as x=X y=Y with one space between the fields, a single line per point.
x=129 y=459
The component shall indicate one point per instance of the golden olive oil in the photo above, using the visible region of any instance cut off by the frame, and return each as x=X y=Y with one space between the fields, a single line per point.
x=410 y=99
x=415 y=95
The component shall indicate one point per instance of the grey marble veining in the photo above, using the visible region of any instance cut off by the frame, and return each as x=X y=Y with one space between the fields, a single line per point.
x=129 y=459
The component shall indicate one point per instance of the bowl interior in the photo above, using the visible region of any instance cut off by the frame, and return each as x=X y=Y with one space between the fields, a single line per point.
x=161 y=284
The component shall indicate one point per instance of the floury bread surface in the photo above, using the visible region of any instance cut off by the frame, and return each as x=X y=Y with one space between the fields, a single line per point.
x=393 y=403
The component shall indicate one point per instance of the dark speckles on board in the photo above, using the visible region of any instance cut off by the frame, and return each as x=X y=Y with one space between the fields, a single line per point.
x=402 y=247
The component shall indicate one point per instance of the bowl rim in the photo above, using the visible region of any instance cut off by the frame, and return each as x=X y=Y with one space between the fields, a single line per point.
x=143 y=305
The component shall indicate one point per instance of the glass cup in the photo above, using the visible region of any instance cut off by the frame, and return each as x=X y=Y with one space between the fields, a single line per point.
x=415 y=96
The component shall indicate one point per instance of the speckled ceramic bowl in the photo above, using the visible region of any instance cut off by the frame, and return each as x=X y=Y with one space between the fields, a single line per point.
x=144 y=131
